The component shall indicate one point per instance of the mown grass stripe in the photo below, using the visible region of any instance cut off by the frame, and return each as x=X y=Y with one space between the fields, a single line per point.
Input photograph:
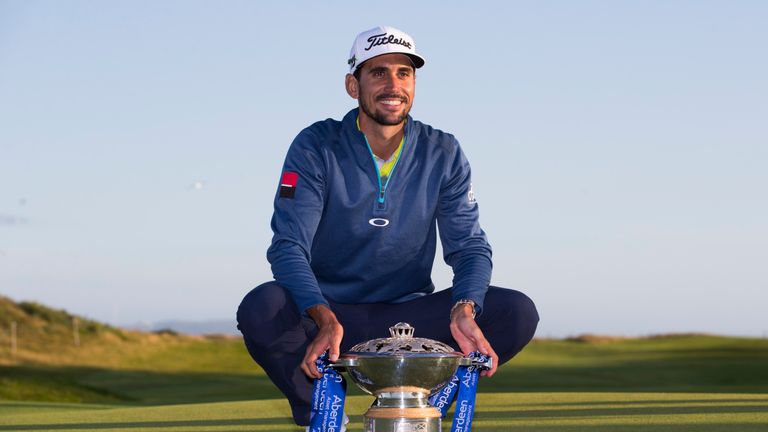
x=540 y=412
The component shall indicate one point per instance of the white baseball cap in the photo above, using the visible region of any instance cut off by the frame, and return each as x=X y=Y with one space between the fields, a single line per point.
x=382 y=40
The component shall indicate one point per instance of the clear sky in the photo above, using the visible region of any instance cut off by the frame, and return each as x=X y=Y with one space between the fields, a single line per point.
x=619 y=149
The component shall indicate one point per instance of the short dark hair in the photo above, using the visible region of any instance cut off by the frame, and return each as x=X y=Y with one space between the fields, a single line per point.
x=359 y=70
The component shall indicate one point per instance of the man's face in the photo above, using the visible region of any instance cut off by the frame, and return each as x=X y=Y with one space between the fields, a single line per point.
x=386 y=88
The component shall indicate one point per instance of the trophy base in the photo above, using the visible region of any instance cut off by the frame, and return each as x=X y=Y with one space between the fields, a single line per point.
x=378 y=419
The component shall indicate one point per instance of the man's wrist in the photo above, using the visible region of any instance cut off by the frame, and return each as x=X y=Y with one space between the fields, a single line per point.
x=463 y=305
x=322 y=315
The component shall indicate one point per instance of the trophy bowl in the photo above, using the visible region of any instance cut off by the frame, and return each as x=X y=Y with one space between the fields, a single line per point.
x=402 y=371
x=422 y=372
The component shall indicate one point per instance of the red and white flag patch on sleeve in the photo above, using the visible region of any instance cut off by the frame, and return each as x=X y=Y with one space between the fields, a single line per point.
x=288 y=184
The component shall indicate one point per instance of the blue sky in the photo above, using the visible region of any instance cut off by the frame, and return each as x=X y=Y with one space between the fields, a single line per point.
x=619 y=149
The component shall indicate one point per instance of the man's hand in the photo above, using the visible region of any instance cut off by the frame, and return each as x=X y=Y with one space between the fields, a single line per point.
x=328 y=338
x=470 y=338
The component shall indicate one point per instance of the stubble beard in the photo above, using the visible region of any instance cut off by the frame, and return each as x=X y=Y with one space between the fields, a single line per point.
x=380 y=118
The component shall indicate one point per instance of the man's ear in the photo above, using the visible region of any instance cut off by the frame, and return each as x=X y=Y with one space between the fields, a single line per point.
x=353 y=90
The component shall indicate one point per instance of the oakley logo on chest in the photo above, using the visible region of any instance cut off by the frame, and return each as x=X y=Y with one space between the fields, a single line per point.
x=379 y=222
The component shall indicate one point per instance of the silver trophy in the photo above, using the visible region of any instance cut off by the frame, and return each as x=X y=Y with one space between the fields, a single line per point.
x=402 y=371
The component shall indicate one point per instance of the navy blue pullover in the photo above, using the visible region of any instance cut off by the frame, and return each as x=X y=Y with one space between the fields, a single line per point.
x=339 y=235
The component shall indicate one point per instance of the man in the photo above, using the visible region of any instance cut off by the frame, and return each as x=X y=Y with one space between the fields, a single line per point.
x=355 y=234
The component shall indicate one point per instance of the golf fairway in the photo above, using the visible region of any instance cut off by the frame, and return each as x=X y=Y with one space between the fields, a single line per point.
x=540 y=412
x=139 y=382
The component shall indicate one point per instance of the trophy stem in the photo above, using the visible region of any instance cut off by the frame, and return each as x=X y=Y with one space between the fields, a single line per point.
x=378 y=419
x=402 y=409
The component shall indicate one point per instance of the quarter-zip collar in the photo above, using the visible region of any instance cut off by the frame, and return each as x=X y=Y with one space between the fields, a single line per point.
x=365 y=152
x=383 y=183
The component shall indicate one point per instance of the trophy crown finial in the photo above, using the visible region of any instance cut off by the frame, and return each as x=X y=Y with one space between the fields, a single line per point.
x=401 y=330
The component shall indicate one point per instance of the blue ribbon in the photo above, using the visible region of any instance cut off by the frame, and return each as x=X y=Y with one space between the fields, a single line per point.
x=442 y=400
x=465 y=384
x=465 y=402
x=327 y=399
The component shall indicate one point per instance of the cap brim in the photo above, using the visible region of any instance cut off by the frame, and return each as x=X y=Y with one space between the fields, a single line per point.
x=416 y=61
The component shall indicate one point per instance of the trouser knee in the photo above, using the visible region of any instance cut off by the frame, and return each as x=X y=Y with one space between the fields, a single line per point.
x=526 y=318
x=266 y=311
x=512 y=320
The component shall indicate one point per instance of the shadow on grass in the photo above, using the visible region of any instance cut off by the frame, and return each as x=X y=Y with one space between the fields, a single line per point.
x=704 y=402
x=149 y=424
x=509 y=416
x=729 y=369
x=677 y=427
x=614 y=412
x=49 y=405
x=702 y=371
x=112 y=386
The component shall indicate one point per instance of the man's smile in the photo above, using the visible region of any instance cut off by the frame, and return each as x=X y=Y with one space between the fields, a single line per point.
x=392 y=100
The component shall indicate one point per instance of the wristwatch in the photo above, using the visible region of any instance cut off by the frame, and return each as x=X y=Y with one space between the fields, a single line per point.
x=463 y=302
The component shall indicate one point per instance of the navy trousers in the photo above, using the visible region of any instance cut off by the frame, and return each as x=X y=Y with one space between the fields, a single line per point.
x=276 y=335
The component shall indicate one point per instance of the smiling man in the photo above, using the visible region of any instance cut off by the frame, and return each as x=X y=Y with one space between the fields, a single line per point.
x=355 y=231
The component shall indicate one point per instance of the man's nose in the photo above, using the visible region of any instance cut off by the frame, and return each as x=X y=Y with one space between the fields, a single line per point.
x=391 y=81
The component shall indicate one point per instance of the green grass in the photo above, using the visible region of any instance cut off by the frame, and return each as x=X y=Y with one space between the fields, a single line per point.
x=690 y=363
x=683 y=383
x=128 y=381
x=540 y=412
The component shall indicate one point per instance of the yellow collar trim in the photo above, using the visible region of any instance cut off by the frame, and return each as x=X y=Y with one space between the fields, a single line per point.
x=386 y=168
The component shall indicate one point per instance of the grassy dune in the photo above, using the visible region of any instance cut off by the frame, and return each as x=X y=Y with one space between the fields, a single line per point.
x=129 y=381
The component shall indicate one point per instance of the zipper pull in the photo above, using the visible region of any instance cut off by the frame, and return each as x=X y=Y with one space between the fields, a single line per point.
x=380 y=201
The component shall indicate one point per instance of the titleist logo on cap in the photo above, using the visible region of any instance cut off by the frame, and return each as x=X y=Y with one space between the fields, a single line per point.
x=379 y=41
x=383 y=39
